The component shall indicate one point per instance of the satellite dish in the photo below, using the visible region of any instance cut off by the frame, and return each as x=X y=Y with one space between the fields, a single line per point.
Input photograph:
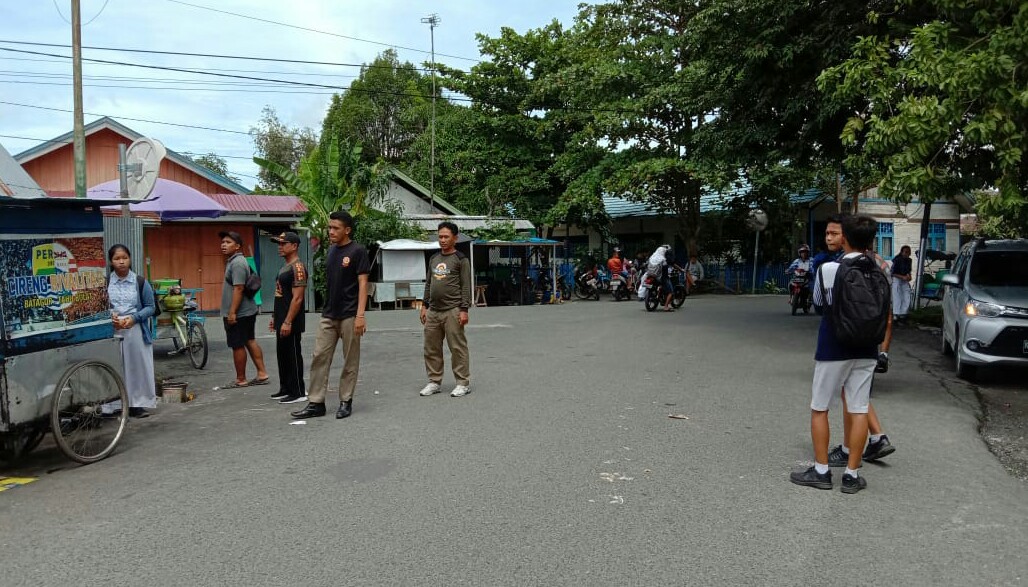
x=757 y=220
x=142 y=163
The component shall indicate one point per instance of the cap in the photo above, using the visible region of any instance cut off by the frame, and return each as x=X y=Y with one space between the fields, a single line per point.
x=286 y=237
x=232 y=235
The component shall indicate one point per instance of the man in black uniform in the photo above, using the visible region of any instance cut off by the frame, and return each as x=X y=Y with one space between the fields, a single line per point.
x=342 y=318
x=288 y=321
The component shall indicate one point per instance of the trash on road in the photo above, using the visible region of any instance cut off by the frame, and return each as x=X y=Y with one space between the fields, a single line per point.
x=678 y=416
x=298 y=423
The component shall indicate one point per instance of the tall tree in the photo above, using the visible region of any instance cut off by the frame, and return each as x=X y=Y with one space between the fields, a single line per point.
x=215 y=163
x=521 y=152
x=945 y=104
x=283 y=145
x=385 y=109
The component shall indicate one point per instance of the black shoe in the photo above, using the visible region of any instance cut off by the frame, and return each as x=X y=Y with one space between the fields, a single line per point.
x=851 y=484
x=291 y=399
x=345 y=409
x=811 y=478
x=883 y=363
x=279 y=395
x=837 y=458
x=311 y=410
x=138 y=413
x=877 y=450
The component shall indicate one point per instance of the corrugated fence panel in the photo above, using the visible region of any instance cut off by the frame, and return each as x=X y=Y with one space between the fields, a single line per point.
x=119 y=230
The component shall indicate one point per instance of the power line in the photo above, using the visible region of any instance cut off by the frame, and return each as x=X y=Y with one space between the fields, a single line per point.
x=175 y=88
x=238 y=132
x=212 y=55
x=233 y=76
x=331 y=34
x=307 y=73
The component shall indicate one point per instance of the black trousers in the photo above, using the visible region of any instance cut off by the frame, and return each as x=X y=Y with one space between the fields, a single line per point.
x=290 y=364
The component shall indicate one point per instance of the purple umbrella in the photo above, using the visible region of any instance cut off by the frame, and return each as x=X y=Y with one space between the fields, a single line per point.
x=170 y=200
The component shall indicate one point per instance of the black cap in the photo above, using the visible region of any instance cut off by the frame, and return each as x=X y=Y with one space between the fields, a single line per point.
x=232 y=235
x=286 y=237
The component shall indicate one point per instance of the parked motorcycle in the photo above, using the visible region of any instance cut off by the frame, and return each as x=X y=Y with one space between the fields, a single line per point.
x=799 y=292
x=620 y=288
x=588 y=284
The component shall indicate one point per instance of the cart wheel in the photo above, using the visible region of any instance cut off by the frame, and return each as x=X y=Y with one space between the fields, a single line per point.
x=15 y=446
x=81 y=431
x=197 y=345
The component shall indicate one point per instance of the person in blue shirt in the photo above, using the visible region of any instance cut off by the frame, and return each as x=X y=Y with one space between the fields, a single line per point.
x=840 y=369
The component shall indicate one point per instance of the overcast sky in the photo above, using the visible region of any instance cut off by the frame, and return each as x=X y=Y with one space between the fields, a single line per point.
x=184 y=98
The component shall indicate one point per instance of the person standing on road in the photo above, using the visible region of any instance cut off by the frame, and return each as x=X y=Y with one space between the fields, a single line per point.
x=445 y=313
x=239 y=312
x=132 y=304
x=840 y=368
x=693 y=271
x=902 y=268
x=342 y=318
x=287 y=321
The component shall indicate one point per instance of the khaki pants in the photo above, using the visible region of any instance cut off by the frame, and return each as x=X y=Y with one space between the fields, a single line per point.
x=329 y=333
x=440 y=325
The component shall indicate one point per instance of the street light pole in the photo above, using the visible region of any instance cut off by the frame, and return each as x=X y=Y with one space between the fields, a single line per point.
x=432 y=21
x=79 y=139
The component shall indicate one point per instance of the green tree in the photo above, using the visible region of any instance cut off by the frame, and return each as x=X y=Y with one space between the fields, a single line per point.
x=216 y=164
x=520 y=153
x=945 y=106
x=278 y=143
x=385 y=109
x=333 y=176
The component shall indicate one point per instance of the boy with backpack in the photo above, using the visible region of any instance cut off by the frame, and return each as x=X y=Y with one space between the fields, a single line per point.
x=855 y=296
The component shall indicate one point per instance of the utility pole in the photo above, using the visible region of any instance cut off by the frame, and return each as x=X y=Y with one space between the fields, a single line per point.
x=432 y=20
x=79 y=147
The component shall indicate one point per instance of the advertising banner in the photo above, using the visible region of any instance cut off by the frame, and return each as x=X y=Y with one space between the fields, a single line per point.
x=53 y=286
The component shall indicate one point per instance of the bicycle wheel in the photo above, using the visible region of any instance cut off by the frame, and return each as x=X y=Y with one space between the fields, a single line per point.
x=81 y=431
x=197 y=345
x=652 y=298
x=679 y=298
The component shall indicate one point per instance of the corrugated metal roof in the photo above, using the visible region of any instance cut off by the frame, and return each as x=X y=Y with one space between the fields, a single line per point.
x=619 y=207
x=260 y=204
x=431 y=221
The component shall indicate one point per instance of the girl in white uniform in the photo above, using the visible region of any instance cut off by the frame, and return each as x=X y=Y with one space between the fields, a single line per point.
x=131 y=308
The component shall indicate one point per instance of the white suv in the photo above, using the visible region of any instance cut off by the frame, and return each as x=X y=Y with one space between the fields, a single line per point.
x=985 y=306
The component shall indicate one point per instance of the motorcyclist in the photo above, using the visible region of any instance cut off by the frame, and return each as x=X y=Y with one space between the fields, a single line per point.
x=616 y=264
x=662 y=260
x=802 y=262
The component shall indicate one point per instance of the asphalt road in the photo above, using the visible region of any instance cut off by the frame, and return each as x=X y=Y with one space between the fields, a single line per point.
x=561 y=468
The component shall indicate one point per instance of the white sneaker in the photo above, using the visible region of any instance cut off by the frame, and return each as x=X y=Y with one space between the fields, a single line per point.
x=431 y=389
x=460 y=391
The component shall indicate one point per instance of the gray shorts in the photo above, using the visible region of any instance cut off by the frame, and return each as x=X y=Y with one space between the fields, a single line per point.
x=832 y=377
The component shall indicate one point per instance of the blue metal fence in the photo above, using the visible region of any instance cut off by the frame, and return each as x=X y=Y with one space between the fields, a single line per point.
x=739 y=277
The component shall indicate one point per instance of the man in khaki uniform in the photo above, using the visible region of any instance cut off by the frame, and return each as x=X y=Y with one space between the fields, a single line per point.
x=445 y=313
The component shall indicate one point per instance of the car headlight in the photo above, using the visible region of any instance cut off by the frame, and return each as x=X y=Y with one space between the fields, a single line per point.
x=982 y=309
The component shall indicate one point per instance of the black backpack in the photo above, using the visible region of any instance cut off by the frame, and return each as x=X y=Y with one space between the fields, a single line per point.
x=861 y=302
x=140 y=281
x=252 y=285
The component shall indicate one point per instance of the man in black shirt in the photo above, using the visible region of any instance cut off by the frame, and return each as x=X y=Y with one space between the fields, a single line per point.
x=346 y=270
x=288 y=321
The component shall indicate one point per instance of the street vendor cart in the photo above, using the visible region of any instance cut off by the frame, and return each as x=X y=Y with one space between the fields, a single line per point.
x=59 y=359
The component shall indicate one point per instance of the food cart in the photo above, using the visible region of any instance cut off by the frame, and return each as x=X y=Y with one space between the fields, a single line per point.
x=59 y=360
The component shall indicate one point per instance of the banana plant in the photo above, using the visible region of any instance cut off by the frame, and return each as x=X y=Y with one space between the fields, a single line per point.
x=332 y=177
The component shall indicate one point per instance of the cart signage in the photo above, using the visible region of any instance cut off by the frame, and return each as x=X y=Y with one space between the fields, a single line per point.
x=54 y=283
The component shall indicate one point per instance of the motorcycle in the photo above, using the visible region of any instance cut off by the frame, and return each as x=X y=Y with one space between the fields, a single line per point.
x=589 y=284
x=620 y=288
x=799 y=292
x=655 y=294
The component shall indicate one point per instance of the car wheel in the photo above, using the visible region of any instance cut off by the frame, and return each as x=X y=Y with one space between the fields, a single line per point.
x=964 y=371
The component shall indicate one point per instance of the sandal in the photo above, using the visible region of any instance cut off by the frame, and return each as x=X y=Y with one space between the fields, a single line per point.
x=235 y=384
x=256 y=381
